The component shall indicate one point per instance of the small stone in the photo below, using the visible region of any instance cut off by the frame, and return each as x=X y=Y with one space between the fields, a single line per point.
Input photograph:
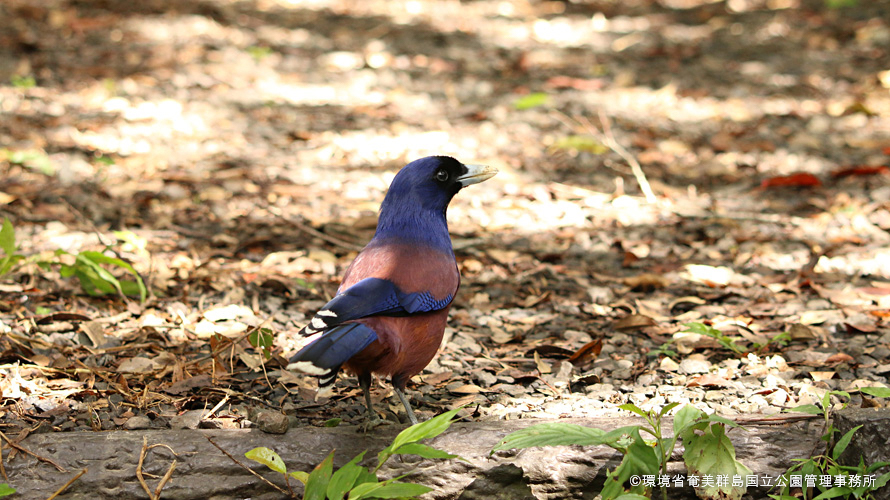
x=771 y=381
x=486 y=379
x=778 y=398
x=758 y=400
x=138 y=422
x=187 y=420
x=881 y=352
x=668 y=365
x=271 y=422
x=714 y=396
x=694 y=365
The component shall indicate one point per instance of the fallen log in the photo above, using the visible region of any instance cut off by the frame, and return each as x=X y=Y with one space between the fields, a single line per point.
x=767 y=445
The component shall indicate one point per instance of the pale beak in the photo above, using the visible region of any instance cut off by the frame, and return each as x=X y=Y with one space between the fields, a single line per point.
x=476 y=174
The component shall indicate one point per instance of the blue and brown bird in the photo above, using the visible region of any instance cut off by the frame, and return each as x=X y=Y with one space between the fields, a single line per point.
x=389 y=314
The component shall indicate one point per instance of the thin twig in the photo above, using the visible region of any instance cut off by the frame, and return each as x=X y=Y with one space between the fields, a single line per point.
x=314 y=232
x=635 y=166
x=215 y=408
x=29 y=452
x=2 y=466
x=608 y=140
x=139 y=474
x=165 y=479
x=66 y=485
x=248 y=469
x=139 y=469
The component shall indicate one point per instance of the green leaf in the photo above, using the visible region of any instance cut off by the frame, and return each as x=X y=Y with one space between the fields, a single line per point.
x=531 y=101
x=581 y=143
x=843 y=442
x=810 y=409
x=333 y=422
x=344 y=478
x=388 y=490
x=424 y=430
x=639 y=459
x=300 y=476
x=634 y=409
x=633 y=496
x=840 y=4
x=551 y=434
x=263 y=340
x=837 y=491
x=6 y=490
x=7 y=238
x=91 y=260
x=268 y=458
x=317 y=482
x=423 y=451
x=722 y=420
x=8 y=262
x=366 y=476
x=23 y=82
x=712 y=453
x=875 y=466
x=878 y=392
x=684 y=417
x=664 y=411
x=99 y=258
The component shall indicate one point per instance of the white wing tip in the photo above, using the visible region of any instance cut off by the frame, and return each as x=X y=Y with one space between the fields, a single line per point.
x=308 y=367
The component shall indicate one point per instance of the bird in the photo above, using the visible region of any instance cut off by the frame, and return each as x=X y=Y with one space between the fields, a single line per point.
x=389 y=314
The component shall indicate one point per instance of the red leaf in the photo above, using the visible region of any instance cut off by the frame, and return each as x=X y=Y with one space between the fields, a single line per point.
x=800 y=179
x=588 y=352
x=861 y=170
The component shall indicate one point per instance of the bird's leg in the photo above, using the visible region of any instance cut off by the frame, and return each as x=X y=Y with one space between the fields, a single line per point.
x=406 y=404
x=372 y=420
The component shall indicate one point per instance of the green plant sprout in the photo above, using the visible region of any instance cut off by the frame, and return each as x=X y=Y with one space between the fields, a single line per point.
x=355 y=482
x=87 y=267
x=826 y=464
x=708 y=450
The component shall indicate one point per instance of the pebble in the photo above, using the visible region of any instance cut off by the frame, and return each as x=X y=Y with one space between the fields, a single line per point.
x=778 y=398
x=714 y=396
x=271 y=422
x=694 y=364
x=138 y=422
x=187 y=420
x=668 y=365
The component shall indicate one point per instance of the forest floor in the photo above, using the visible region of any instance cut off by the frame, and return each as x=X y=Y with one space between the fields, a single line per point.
x=235 y=153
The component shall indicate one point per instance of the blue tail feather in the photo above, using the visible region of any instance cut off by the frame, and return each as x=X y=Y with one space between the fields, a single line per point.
x=336 y=346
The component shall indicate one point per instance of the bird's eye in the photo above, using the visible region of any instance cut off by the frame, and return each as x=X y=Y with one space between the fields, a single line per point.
x=442 y=176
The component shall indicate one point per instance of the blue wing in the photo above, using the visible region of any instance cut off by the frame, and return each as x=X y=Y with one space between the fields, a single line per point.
x=372 y=297
x=339 y=342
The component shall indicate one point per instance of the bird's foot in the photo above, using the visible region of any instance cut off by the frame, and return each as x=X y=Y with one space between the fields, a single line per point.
x=372 y=423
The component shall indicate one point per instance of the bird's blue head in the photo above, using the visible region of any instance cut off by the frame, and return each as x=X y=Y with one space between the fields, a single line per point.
x=415 y=205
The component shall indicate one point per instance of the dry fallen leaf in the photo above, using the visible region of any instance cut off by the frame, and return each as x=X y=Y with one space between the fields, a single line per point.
x=709 y=380
x=589 y=352
x=633 y=322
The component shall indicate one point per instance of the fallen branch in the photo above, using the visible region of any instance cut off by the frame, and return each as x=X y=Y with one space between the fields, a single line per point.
x=139 y=474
